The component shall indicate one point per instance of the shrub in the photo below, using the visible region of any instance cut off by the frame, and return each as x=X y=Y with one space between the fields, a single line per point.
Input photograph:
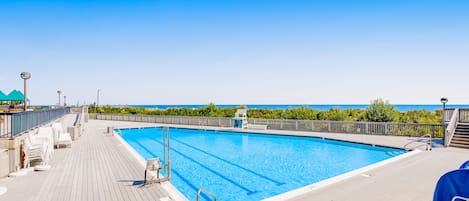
x=380 y=111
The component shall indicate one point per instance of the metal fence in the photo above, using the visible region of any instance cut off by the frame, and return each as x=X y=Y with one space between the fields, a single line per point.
x=5 y=125
x=368 y=128
x=183 y=120
x=13 y=124
x=464 y=115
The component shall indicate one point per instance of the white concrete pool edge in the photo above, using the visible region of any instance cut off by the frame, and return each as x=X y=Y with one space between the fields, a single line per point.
x=167 y=186
x=324 y=183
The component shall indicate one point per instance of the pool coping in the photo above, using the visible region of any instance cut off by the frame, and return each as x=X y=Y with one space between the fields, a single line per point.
x=339 y=178
x=177 y=195
x=173 y=192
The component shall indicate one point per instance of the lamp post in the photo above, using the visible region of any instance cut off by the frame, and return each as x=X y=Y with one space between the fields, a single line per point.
x=443 y=124
x=25 y=76
x=97 y=101
x=58 y=93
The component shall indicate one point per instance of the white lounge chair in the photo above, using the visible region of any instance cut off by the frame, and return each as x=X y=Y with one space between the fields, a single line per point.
x=46 y=135
x=34 y=151
x=60 y=137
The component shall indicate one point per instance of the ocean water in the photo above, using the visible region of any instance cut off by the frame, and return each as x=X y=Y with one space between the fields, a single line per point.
x=399 y=107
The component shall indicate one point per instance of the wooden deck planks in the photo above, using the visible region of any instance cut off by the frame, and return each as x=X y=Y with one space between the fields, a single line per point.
x=95 y=168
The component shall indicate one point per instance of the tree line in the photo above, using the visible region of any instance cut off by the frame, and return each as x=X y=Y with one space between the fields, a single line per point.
x=377 y=111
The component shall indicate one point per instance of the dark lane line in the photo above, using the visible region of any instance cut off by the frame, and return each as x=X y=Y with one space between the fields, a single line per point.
x=249 y=192
x=231 y=163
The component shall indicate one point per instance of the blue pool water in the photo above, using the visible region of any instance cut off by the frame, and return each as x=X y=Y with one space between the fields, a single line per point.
x=247 y=166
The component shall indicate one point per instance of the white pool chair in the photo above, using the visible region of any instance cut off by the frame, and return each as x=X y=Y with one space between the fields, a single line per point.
x=46 y=135
x=60 y=138
x=34 y=151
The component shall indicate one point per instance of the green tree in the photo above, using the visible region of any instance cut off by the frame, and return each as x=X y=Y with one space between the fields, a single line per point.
x=377 y=111
x=380 y=111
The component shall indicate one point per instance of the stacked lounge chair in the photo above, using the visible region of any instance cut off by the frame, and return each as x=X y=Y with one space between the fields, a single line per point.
x=34 y=149
x=60 y=137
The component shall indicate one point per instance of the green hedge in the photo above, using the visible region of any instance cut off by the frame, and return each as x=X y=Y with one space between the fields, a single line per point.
x=378 y=111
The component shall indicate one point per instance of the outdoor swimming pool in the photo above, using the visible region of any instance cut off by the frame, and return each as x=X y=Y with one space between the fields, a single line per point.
x=248 y=166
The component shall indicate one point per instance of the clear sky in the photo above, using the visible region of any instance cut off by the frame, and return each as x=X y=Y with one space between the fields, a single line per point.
x=237 y=51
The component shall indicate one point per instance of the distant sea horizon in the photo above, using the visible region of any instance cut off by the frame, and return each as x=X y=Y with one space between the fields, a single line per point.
x=399 y=107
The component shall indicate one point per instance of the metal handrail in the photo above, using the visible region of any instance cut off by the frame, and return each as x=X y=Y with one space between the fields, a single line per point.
x=5 y=125
x=165 y=138
x=428 y=143
x=453 y=123
x=21 y=122
x=201 y=190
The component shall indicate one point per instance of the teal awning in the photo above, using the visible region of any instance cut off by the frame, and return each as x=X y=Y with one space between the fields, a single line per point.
x=15 y=95
x=3 y=97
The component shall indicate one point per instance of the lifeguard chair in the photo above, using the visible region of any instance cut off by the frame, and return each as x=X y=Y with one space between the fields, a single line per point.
x=241 y=118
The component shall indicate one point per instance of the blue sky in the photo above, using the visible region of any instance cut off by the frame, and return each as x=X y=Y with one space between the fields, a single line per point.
x=237 y=51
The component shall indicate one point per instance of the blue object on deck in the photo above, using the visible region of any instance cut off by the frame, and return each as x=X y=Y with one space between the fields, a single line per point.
x=453 y=185
x=238 y=123
x=465 y=165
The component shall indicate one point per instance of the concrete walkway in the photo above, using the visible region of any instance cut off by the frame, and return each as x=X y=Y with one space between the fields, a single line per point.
x=409 y=179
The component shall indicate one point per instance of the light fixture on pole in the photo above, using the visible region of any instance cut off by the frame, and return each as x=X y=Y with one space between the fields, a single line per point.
x=25 y=76
x=97 y=101
x=58 y=93
x=443 y=121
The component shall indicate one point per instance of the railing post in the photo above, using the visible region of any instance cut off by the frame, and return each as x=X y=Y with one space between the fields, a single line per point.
x=11 y=126
x=386 y=128
x=366 y=128
x=329 y=126
x=296 y=124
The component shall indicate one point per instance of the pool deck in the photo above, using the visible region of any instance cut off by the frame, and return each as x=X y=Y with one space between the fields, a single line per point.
x=96 y=167
x=99 y=167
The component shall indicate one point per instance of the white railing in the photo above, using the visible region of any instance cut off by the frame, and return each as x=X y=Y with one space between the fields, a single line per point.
x=453 y=123
x=367 y=128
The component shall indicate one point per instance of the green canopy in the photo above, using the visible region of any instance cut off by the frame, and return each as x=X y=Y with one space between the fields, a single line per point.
x=3 y=97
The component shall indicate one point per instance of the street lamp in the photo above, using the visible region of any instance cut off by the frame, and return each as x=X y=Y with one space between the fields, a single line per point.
x=444 y=101
x=97 y=102
x=25 y=76
x=59 y=92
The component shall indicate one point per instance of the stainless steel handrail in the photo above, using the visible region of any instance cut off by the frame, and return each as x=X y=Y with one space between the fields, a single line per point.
x=165 y=137
x=428 y=143
x=201 y=190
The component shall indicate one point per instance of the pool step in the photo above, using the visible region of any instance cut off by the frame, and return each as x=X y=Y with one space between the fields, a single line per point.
x=461 y=137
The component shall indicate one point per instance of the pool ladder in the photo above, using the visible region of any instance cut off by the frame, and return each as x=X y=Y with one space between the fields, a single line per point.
x=427 y=139
x=201 y=190
x=201 y=123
